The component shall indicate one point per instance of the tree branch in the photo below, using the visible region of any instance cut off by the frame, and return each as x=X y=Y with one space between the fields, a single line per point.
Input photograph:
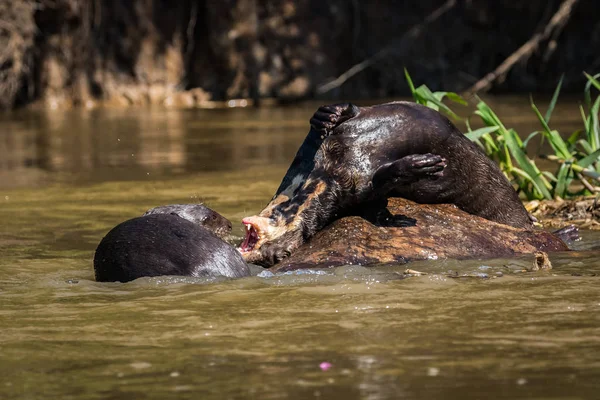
x=412 y=34
x=559 y=19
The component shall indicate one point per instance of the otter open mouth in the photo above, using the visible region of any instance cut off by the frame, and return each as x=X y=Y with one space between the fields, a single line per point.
x=251 y=239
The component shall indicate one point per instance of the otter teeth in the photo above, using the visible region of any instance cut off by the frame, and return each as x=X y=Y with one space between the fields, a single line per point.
x=250 y=229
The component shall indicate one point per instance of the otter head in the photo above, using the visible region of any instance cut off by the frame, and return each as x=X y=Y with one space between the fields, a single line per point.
x=198 y=214
x=288 y=222
x=265 y=242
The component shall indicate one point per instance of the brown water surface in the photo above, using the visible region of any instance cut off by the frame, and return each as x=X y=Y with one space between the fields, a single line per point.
x=66 y=178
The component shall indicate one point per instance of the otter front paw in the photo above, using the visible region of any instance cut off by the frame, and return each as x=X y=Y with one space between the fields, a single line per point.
x=409 y=169
x=326 y=118
x=271 y=254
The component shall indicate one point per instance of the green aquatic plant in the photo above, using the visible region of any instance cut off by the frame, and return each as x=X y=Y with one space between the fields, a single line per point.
x=577 y=157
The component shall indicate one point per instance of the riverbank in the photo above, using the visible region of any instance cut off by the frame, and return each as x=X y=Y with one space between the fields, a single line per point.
x=583 y=212
x=62 y=53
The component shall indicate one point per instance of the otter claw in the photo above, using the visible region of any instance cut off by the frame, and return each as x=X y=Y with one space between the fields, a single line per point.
x=271 y=255
x=409 y=169
x=327 y=118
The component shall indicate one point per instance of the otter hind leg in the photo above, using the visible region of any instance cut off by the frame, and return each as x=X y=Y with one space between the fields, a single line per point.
x=407 y=170
x=326 y=118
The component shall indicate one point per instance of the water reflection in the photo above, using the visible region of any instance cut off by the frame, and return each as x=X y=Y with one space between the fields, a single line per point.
x=114 y=144
x=43 y=146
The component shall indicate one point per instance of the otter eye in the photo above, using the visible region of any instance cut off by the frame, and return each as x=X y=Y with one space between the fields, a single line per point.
x=213 y=217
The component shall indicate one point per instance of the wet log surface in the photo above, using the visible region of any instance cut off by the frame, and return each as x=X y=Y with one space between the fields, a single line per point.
x=416 y=232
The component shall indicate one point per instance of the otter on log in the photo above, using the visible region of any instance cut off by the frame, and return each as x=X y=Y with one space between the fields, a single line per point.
x=181 y=239
x=354 y=158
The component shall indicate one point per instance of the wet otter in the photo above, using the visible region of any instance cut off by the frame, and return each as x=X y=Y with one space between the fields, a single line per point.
x=169 y=240
x=353 y=158
x=198 y=214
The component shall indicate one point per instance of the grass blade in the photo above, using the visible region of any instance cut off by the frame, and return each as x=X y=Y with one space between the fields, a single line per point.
x=554 y=100
x=528 y=166
x=586 y=146
x=478 y=133
x=590 y=159
x=411 y=85
x=428 y=95
x=594 y=133
x=557 y=143
x=531 y=136
x=592 y=80
x=456 y=98
x=539 y=189
x=562 y=180
x=573 y=138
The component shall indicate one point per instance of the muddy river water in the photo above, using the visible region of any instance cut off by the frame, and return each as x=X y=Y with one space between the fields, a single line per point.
x=66 y=178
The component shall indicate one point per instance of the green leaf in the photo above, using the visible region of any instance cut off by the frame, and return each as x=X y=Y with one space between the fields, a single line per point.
x=549 y=175
x=586 y=146
x=468 y=124
x=573 y=138
x=594 y=132
x=409 y=81
x=531 y=136
x=488 y=116
x=527 y=165
x=592 y=80
x=439 y=96
x=554 y=100
x=557 y=143
x=478 y=133
x=590 y=159
x=426 y=94
x=456 y=98
x=490 y=142
x=529 y=178
x=586 y=120
x=562 y=181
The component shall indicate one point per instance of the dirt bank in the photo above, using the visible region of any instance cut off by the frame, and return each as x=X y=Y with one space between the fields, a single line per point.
x=79 y=52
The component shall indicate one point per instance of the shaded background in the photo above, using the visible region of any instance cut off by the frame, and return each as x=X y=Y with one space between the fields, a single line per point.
x=151 y=51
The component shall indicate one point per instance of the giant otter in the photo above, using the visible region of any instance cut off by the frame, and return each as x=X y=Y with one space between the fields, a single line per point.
x=169 y=240
x=198 y=214
x=355 y=157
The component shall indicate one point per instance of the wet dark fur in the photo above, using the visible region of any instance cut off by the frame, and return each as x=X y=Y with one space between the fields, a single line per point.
x=365 y=155
x=198 y=214
x=166 y=244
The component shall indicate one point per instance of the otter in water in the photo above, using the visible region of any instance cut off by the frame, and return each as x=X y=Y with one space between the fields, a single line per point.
x=198 y=214
x=356 y=157
x=182 y=239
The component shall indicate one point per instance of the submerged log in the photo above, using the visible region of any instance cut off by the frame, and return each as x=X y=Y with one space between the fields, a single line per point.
x=416 y=232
